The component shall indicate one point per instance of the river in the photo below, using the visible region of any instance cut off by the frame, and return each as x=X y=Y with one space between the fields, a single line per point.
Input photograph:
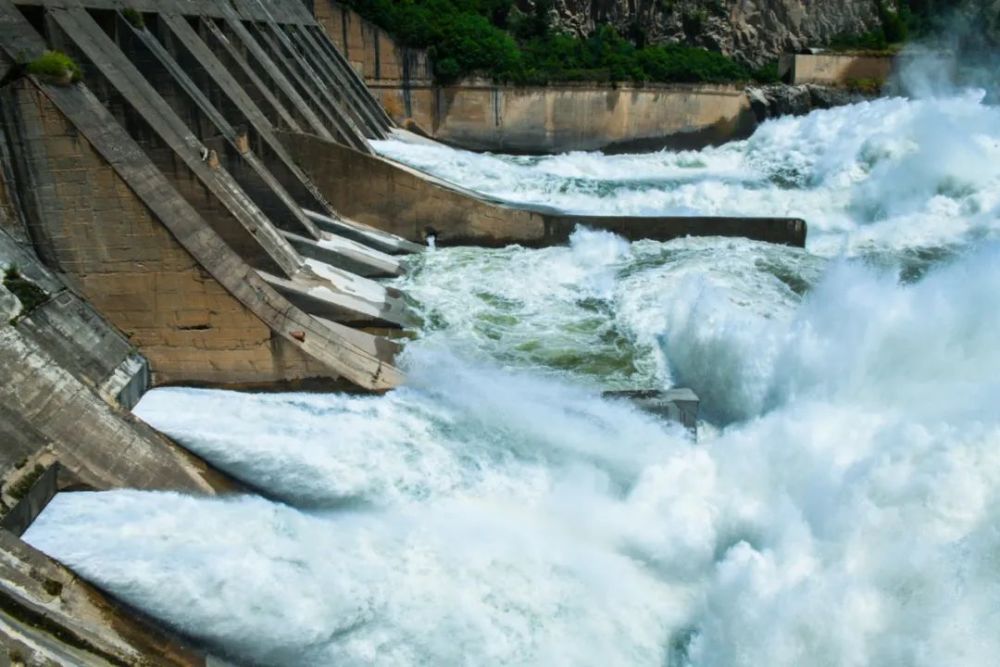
x=840 y=507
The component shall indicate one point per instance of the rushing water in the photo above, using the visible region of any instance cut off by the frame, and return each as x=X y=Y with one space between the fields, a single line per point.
x=842 y=506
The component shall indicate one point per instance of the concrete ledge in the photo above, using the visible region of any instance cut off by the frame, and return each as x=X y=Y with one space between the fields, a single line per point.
x=413 y=205
x=347 y=255
x=332 y=302
x=782 y=231
x=678 y=405
x=367 y=235
x=50 y=617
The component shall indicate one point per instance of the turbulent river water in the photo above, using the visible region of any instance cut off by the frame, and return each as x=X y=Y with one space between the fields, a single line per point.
x=842 y=504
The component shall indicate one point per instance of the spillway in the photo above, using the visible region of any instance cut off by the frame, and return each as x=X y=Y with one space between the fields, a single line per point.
x=839 y=508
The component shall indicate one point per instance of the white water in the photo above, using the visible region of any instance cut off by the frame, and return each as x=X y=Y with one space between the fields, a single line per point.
x=841 y=507
x=881 y=173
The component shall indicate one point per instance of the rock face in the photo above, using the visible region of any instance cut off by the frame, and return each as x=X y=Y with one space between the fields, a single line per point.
x=781 y=100
x=753 y=31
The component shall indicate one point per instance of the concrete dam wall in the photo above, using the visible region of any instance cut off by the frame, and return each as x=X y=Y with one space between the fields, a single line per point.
x=485 y=116
x=481 y=115
x=154 y=230
x=199 y=205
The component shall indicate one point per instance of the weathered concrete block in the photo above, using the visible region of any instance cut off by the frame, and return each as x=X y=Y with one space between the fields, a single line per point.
x=678 y=405
x=10 y=305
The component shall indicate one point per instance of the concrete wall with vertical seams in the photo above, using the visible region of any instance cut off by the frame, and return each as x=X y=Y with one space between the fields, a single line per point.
x=481 y=115
x=189 y=302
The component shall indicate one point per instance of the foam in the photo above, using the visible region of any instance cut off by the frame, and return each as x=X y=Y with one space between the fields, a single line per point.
x=839 y=509
x=885 y=173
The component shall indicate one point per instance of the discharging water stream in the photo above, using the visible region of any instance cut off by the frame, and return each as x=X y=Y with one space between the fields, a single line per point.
x=842 y=506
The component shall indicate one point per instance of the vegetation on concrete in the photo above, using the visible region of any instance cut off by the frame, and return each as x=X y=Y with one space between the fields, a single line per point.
x=52 y=587
x=28 y=293
x=55 y=66
x=867 y=87
x=20 y=488
x=494 y=38
x=134 y=17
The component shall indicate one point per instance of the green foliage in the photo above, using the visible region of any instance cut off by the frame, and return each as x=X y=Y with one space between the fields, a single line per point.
x=865 y=86
x=55 y=65
x=693 y=22
x=134 y=17
x=28 y=293
x=767 y=74
x=685 y=64
x=869 y=41
x=894 y=26
x=495 y=38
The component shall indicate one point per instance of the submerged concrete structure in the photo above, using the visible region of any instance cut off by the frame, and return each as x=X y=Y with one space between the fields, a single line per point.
x=202 y=206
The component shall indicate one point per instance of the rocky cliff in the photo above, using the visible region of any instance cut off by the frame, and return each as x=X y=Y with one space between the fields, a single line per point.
x=754 y=31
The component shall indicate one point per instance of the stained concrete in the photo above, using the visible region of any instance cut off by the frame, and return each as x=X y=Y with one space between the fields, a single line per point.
x=49 y=616
x=410 y=204
x=69 y=378
x=479 y=114
x=346 y=254
x=312 y=352
x=837 y=69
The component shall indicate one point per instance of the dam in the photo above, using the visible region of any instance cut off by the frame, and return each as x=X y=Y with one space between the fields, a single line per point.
x=284 y=383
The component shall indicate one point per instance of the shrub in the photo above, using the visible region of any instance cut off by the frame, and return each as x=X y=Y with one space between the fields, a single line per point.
x=893 y=22
x=447 y=70
x=55 y=65
x=468 y=36
x=28 y=293
x=693 y=22
x=766 y=74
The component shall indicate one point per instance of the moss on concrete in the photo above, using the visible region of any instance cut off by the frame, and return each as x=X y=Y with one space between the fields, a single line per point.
x=22 y=486
x=55 y=67
x=28 y=293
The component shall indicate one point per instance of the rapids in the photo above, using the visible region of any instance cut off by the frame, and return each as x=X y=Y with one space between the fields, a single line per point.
x=842 y=504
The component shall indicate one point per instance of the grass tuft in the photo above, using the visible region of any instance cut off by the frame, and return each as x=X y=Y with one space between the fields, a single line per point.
x=55 y=65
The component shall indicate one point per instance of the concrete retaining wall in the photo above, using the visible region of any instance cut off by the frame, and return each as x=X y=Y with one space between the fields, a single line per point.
x=481 y=116
x=396 y=198
x=837 y=69
x=371 y=51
